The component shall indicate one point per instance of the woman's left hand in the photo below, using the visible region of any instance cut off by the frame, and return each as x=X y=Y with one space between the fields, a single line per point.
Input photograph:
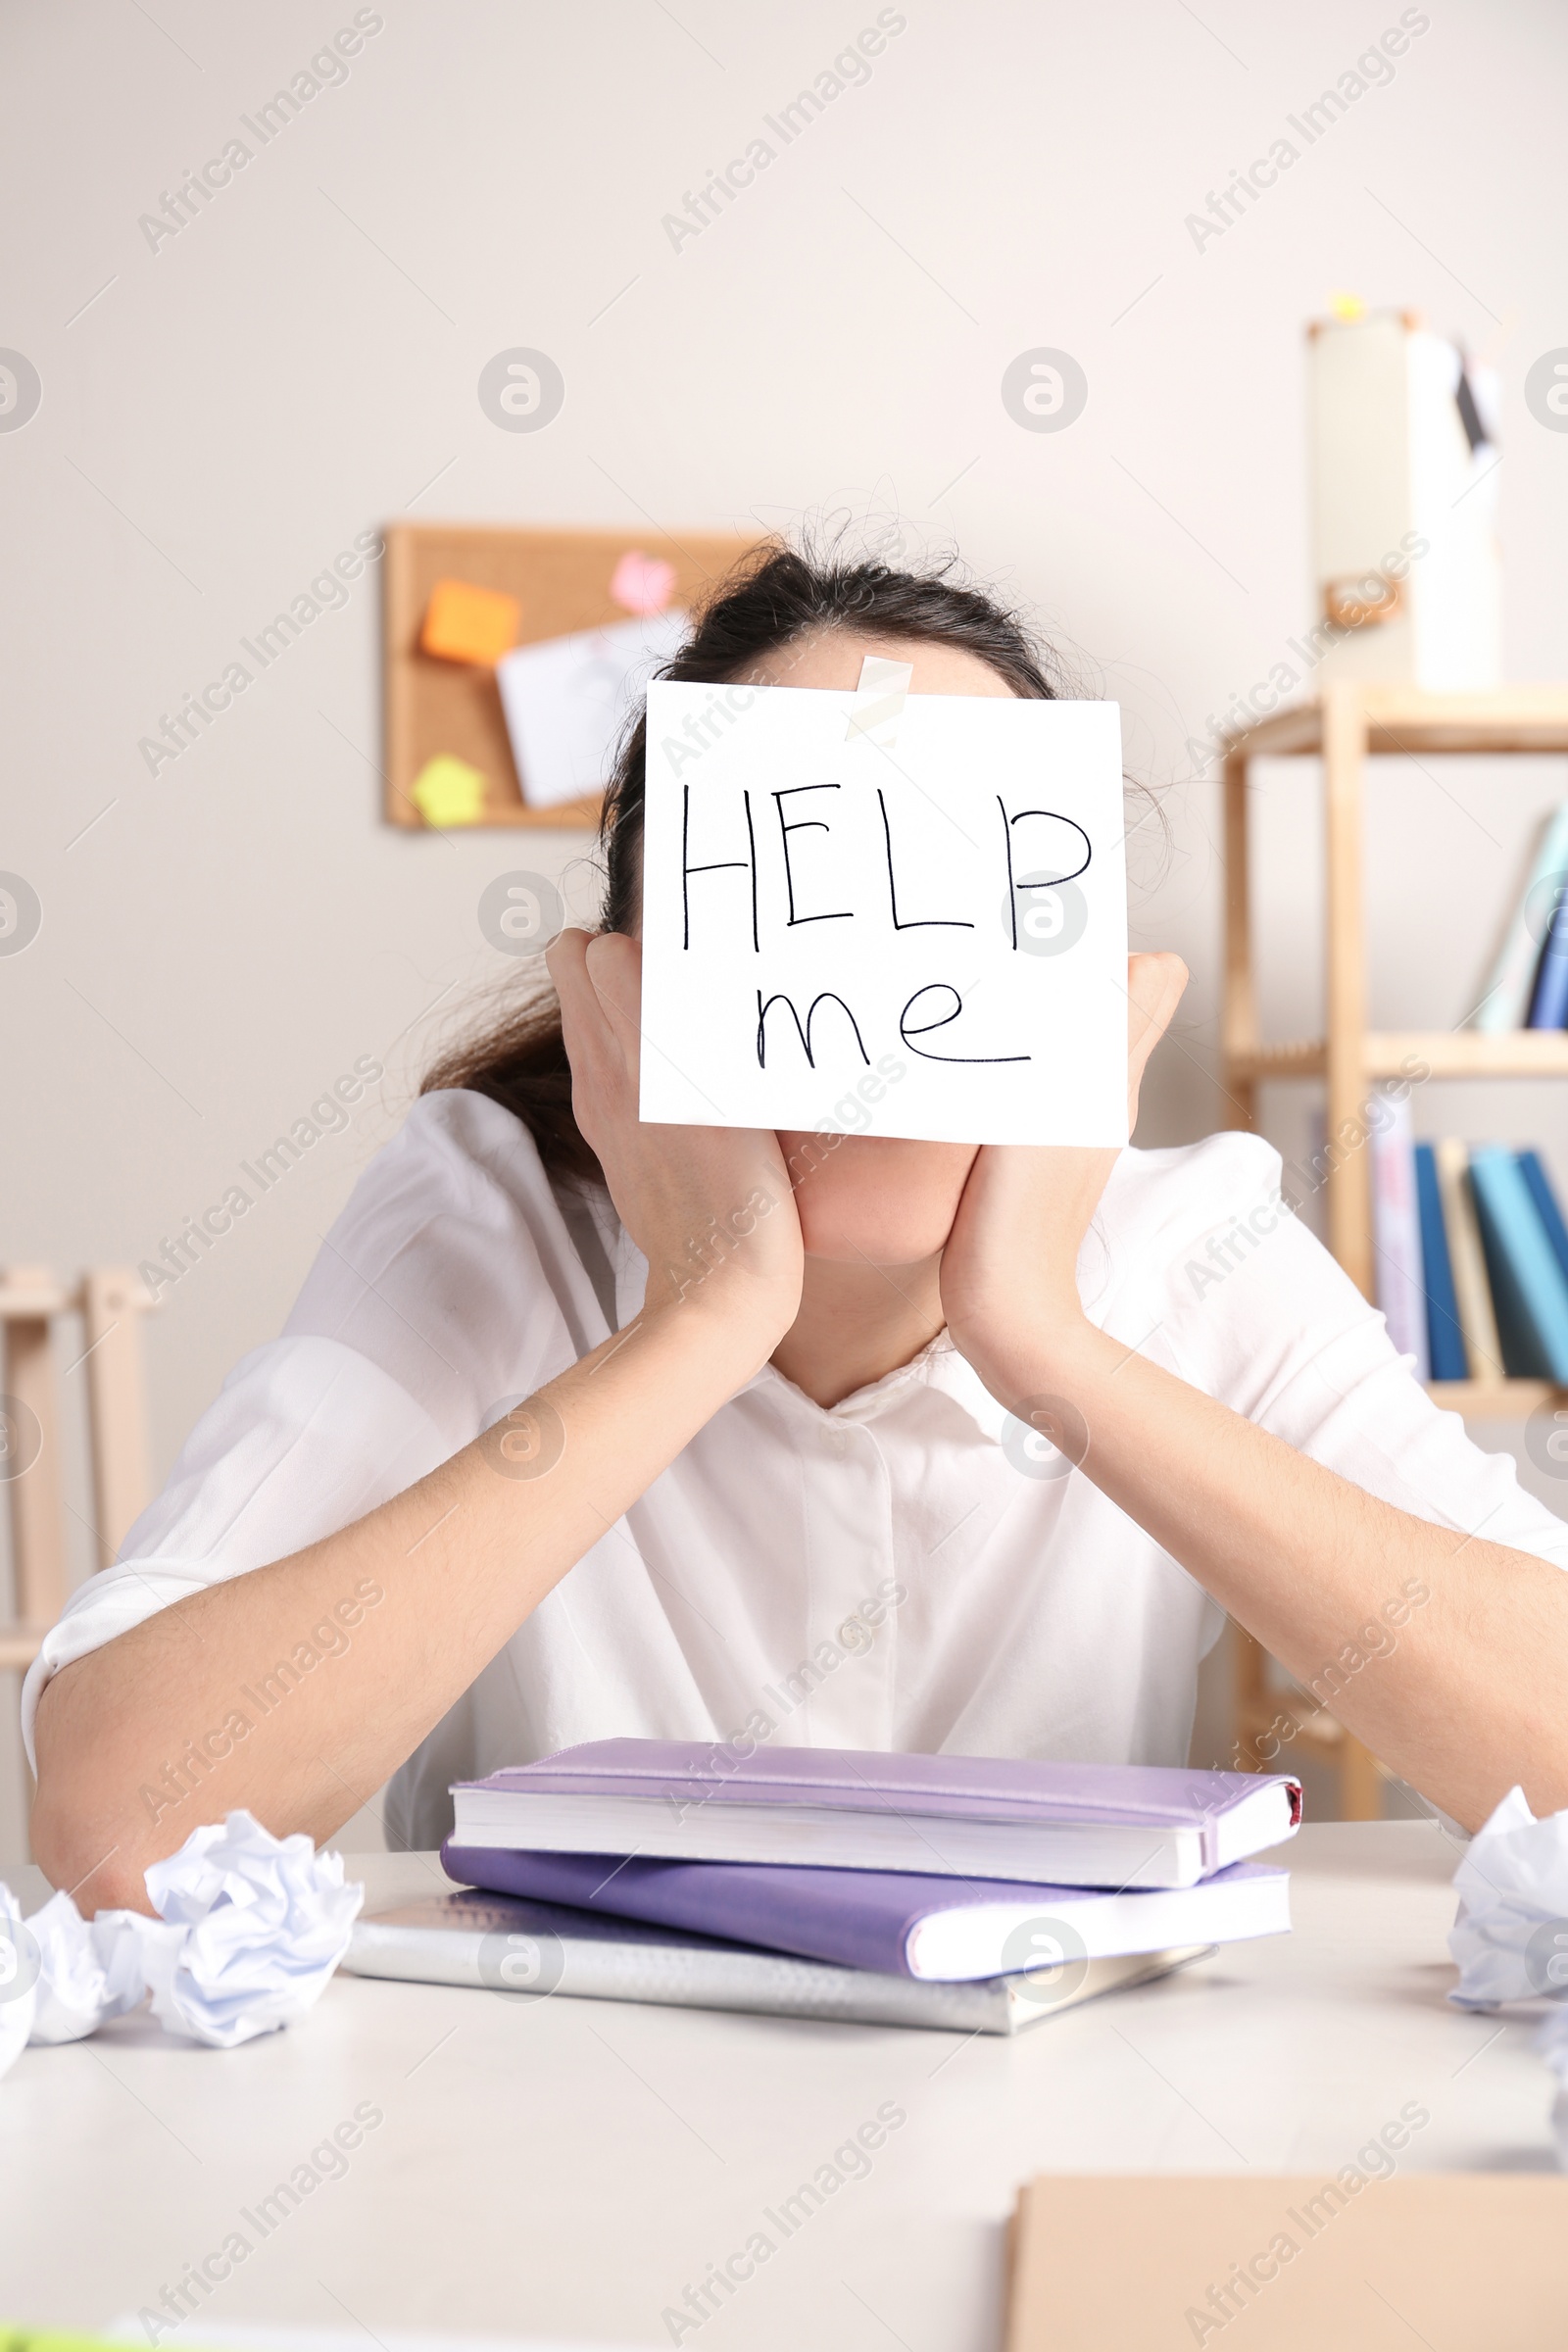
x=1010 y=1289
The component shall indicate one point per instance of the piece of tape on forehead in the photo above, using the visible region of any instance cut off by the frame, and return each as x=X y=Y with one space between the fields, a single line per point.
x=879 y=701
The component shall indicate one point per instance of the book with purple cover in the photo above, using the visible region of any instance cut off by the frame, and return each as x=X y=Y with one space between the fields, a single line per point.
x=1074 y=1825
x=529 y=1951
x=938 y=1930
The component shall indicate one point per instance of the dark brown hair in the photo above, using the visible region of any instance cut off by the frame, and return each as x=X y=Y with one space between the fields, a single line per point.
x=777 y=597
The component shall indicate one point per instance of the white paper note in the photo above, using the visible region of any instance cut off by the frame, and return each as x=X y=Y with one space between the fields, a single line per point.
x=567 y=700
x=936 y=930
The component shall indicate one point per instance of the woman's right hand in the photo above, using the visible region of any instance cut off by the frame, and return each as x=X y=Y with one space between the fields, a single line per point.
x=711 y=1208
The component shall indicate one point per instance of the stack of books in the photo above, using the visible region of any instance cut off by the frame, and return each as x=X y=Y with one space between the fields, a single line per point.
x=952 y=1891
x=1472 y=1256
x=1527 y=987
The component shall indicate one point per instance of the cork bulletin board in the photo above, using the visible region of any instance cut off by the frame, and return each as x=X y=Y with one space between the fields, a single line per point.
x=561 y=581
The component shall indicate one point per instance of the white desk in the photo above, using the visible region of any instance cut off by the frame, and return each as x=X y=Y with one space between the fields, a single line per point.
x=565 y=2168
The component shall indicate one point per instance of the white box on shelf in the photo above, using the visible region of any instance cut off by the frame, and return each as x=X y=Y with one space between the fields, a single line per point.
x=1406 y=572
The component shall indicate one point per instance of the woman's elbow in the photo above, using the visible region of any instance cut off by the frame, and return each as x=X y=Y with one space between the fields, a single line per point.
x=88 y=1832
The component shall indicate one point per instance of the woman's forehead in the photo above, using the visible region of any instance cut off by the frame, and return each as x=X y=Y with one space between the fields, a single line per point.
x=831 y=659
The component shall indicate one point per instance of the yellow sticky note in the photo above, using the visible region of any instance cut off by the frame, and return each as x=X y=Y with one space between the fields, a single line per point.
x=447 y=792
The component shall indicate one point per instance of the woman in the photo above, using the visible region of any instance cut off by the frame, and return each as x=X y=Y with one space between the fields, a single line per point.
x=498 y=1489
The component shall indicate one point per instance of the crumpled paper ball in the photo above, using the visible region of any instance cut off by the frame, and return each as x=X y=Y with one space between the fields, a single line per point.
x=74 y=1992
x=250 y=1929
x=1510 y=1940
x=1552 y=2044
x=19 y=1981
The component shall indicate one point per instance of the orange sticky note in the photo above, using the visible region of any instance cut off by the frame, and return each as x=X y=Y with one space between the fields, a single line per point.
x=465 y=623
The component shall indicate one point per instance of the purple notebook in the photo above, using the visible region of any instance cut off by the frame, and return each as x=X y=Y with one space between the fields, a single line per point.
x=894 y=1922
x=1079 y=1824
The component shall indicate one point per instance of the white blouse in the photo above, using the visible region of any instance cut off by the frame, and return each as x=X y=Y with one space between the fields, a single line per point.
x=908 y=1569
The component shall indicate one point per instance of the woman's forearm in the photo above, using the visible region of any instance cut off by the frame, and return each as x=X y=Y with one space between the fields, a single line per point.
x=139 y=1740
x=1446 y=1653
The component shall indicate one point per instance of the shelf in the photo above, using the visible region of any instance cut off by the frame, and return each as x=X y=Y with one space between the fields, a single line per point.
x=1404 y=718
x=1493 y=1399
x=1342 y=723
x=1446 y=1053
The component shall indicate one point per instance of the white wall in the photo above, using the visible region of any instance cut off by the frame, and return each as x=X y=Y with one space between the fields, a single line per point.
x=299 y=363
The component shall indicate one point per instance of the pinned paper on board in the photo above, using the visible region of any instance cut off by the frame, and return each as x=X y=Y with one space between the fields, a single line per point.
x=567 y=700
x=934 y=925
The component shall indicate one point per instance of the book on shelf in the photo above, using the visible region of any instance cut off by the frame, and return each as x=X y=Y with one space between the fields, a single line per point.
x=1490 y=1261
x=1528 y=1287
x=1548 y=1000
x=1509 y=999
x=1445 y=1352
x=1477 y=1316
x=1545 y=1200
x=1396 y=1235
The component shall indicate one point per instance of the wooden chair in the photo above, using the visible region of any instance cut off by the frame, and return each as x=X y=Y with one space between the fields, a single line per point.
x=110 y=1302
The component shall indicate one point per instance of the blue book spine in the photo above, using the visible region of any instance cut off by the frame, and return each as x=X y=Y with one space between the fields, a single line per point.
x=1523 y=1356
x=1527 y=1264
x=1548 y=1000
x=1533 y=1170
x=1445 y=1339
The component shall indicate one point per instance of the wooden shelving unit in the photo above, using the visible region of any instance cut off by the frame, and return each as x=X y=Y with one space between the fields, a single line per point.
x=1350 y=721
x=111 y=1301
